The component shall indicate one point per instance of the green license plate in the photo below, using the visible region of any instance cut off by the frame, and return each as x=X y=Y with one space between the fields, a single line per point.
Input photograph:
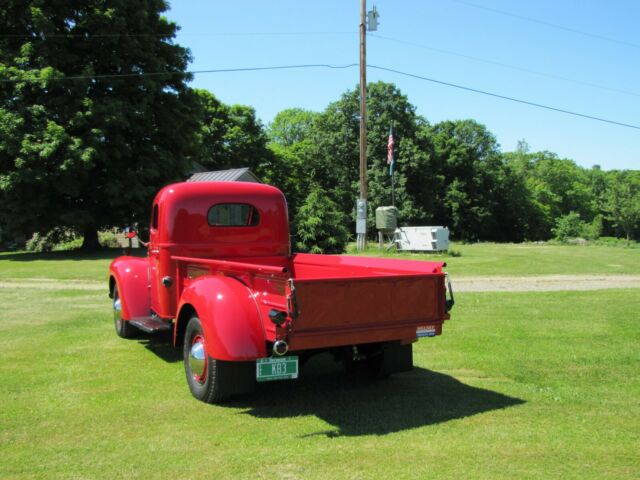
x=276 y=368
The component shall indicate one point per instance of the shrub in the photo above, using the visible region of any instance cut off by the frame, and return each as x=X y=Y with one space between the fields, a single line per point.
x=569 y=226
x=108 y=239
x=57 y=238
x=593 y=230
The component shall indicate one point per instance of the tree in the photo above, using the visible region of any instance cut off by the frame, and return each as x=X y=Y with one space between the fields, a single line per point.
x=554 y=187
x=321 y=225
x=88 y=152
x=291 y=126
x=623 y=203
x=291 y=135
x=336 y=138
x=231 y=136
x=474 y=173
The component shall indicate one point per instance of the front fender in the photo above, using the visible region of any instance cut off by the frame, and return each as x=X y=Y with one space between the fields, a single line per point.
x=131 y=275
x=232 y=325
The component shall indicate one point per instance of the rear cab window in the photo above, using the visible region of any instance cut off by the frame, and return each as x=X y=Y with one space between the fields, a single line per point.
x=233 y=215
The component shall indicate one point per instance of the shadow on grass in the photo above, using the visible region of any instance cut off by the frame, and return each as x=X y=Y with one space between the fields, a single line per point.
x=160 y=344
x=364 y=407
x=354 y=405
x=101 y=254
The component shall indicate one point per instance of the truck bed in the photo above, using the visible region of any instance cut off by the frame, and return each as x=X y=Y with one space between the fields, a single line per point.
x=345 y=300
x=340 y=299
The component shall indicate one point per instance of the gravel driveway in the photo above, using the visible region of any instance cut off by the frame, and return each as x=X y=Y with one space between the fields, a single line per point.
x=538 y=283
x=543 y=283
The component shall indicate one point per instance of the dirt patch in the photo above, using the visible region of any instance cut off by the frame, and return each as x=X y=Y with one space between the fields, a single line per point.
x=539 y=283
x=544 y=283
x=52 y=284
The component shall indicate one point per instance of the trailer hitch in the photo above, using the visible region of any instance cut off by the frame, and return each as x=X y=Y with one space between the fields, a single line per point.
x=449 y=302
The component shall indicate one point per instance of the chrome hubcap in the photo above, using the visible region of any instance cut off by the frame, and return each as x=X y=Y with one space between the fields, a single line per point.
x=197 y=359
x=117 y=313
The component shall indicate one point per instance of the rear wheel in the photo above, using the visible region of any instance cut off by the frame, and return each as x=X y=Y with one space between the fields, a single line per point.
x=211 y=380
x=123 y=328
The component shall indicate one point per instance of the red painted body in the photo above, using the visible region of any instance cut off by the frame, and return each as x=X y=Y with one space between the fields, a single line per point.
x=233 y=276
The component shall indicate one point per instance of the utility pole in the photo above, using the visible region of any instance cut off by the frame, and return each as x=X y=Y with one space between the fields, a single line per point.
x=361 y=204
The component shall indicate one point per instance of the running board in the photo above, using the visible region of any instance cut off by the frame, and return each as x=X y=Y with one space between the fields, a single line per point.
x=151 y=324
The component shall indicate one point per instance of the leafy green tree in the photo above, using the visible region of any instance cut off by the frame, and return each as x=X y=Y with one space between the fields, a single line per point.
x=82 y=146
x=623 y=202
x=321 y=225
x=293 y=146
x=291 y=126
x=230 y=136
x=473 y=177
x=554 y=187
x=335 y=163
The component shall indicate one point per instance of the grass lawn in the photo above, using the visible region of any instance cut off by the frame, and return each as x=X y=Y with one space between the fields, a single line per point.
x=473 y=260
x=520 y=385
x=529 y=259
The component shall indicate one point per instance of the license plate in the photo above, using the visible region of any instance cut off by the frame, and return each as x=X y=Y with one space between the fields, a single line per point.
x=276 y=368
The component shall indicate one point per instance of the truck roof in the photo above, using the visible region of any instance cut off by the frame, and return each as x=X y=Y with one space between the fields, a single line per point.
x=183 y=212
x=179 y=191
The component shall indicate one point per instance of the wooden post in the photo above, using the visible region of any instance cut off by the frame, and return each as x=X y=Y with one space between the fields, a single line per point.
x=362 y=237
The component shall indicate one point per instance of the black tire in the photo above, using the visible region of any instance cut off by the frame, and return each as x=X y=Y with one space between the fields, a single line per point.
x=123 y=328
x=219 y=380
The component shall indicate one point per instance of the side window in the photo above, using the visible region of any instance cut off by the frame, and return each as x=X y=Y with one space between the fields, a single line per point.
x=154 y=217
x=233 y=215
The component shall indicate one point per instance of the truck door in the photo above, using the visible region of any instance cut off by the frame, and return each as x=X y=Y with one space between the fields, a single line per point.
x=154 y=260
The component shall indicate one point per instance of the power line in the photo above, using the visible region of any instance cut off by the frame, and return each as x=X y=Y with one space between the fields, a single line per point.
x=41 y=35
x=259 y=34
x=547 y=24
x=505 y=65
x=321 y=65
x=190 y=72
x=504 y=97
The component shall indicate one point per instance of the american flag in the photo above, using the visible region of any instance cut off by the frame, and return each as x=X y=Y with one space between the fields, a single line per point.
x=390 y=144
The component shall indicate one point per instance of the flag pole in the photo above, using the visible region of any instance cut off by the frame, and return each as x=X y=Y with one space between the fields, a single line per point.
x=393 y=189
x=392 y=163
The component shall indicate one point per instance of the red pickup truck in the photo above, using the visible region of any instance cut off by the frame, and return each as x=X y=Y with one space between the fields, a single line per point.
x=221 y=277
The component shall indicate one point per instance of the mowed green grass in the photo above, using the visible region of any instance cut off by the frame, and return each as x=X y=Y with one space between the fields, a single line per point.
x=520 y=385
x=528 y=259
x=71 y=265
x=473 y=260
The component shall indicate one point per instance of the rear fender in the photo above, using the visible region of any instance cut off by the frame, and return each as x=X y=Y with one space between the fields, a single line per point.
x=131 y=275
x=229 y=315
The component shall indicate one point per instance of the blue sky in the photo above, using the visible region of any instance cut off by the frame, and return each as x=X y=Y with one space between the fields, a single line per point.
x=466 y=42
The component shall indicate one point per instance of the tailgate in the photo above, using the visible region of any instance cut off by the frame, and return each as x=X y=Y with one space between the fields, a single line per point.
x=335 y=312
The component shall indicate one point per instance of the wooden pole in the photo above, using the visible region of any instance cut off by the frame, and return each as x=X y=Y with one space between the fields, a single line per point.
x=362 y=237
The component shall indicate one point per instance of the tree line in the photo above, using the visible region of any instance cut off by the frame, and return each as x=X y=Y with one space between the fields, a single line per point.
x=449 y=173
x=93 y=120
